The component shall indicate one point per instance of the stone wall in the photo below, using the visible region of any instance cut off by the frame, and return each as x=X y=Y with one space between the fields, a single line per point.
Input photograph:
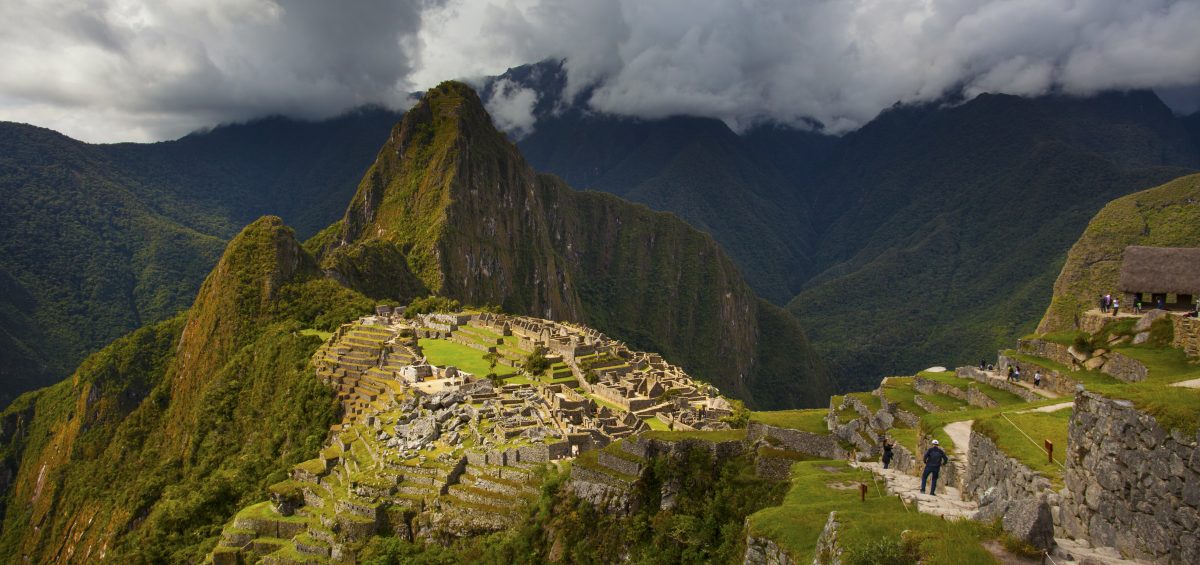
x=976 y=397
x=926 y=405
x=1130 y=483
x=764 y=551
x=977 y=375
x=903 y=460
x=1052 y=380
x=1187 y=335
x=1047 y=350
x=819 y=445
x=991 y=468
x=1124 y=367
x=926 y=386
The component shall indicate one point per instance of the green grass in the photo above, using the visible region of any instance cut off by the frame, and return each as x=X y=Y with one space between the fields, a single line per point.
x=947 y=403
x=1038 y=425
x=908 y=437
x=603 y=402
x=656 y=424
x=1002 y=397
x=811 y=420
x=797 y=523
x=933 y=423
x=716 y=435
x=898 y=391
x=947 y=377
x=441 y=352
x=1172 y=407
x=323 y=335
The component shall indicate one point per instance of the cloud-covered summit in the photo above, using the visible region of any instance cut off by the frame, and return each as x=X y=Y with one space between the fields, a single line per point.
x=129 y=69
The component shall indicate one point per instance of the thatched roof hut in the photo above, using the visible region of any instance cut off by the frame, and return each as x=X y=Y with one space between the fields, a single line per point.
x=1160 y=270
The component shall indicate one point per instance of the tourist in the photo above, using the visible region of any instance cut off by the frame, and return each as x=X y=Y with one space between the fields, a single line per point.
x=1137 y=306
x=887 y=454
x=1017 y=375
x=982 y=364
x=1116 y=306
x=934 y=459
x=1108 y=302
x=1010 y=373
x=991 y=367
x=1162 y=303
x=1037 y=378
x=1103 y=303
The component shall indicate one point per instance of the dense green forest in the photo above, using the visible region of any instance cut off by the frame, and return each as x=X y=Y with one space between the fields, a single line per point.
x=98 y=240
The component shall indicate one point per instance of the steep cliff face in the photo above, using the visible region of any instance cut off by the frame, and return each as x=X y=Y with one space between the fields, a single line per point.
x=156 y=438
x=1164 y=216
x=475 y=222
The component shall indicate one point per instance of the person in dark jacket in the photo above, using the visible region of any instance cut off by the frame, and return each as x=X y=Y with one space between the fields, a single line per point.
x=887 y=454
x=934 y=459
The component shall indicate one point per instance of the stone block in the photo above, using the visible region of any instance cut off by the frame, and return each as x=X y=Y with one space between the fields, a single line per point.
x=1030 y=521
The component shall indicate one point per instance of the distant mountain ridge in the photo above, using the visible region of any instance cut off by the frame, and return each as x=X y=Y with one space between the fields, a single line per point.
x=933 y=232
x=98 y=240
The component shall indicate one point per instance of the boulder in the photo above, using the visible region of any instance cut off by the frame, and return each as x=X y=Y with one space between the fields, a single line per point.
x=1141 y=337
x=1030 y=520
x=1078 y=355
x=1094 y=363
x=1143 y=325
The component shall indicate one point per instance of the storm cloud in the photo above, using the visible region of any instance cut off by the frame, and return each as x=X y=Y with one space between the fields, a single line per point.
x=121 y=69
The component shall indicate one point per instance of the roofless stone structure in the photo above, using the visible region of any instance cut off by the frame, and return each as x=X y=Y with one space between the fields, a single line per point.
x=1159 y=271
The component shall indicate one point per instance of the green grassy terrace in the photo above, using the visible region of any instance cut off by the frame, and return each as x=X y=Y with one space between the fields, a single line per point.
x=1006 y=431
x=441 y=352
x=819 y=487
x=811 y=420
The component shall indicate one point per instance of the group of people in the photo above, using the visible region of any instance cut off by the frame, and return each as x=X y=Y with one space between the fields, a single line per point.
x=934 y=459
x=1014 y=375
x=1110 y=303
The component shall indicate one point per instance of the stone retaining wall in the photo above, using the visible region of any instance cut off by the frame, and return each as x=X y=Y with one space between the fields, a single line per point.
x=1052 y=380
x=926 y=405
x=976 y=397
x=1125 y=368
x=1047 y=350
x=819 y=445
x=1130 y=483
x=991 y=468
x=980 y=376
x=903 y=460
x=926 y=386
x=1187 y=335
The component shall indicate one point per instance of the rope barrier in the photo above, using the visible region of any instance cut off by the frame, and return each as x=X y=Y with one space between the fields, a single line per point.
x=1046 y=554
x=1031 y=440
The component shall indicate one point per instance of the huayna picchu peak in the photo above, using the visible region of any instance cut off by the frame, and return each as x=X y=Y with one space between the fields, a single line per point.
x=450 y=207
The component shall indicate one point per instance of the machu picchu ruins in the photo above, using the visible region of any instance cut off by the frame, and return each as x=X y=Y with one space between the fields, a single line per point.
x=428 y=449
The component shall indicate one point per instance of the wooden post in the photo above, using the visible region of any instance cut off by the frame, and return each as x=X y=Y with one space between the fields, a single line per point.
x=862 y=490
x=1049 y=451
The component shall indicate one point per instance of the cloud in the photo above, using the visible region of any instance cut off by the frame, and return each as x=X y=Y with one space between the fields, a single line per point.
x=511 y=107
x=842 y=61
x=158 y=69
x=107 y=70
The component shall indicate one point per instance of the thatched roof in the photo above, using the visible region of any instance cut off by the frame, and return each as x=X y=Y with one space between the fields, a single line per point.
x=1161 y=270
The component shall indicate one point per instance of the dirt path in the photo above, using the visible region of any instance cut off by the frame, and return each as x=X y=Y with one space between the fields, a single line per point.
x=1050 y=408
x=1194 y=383
x=960 y=434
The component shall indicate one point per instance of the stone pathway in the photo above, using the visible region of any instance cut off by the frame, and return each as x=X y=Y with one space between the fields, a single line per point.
x=1050 y=408
x=1037 y=390
x=1194 y=383
x=948 y=503
x=960 y=434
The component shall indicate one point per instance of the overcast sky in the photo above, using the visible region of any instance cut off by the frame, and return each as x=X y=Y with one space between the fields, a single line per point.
x=128 y=70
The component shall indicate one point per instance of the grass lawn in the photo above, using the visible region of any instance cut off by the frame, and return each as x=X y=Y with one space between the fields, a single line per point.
x=715 y=435
x=818 y=487
x=323 y=335
x=1173 y=407
x=947 y=377
x=947 y=403
x=604 y=402
x=656 y=424
x=1003 y=397
x=898 y=391
x=442 y=353
x=1038 y=425
x=812 y=420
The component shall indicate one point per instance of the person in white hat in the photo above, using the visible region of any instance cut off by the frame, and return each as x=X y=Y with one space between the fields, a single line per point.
x=934 y=459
